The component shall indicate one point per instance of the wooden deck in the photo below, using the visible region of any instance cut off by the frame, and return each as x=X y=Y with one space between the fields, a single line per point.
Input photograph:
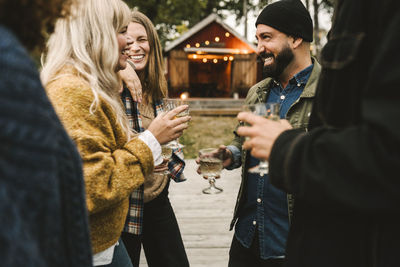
x=204 y=219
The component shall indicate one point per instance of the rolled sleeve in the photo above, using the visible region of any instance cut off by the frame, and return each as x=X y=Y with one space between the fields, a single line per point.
x=236 y=156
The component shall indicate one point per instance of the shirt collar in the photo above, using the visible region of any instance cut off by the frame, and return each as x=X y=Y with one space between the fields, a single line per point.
x=303 y=75
x=299 y=78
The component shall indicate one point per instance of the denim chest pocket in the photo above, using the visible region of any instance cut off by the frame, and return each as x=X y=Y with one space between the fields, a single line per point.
x=341 y=50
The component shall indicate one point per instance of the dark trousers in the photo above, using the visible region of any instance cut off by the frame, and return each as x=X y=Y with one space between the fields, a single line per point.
x=161 y=237
x=133 y=246
x=240 y=256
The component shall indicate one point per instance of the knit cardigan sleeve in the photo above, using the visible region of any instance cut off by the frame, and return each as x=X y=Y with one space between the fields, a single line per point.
x=113 y=167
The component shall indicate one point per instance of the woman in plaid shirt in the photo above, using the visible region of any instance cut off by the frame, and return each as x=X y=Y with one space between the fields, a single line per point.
x=151 y=220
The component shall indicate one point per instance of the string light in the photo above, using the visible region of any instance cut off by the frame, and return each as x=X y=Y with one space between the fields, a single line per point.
x=184 y=95
x=188 y=46
x=217 y=39
x=227 y=34
x=207 y=42
x=204 y=60
x=197 y=45
x=231 y=58
x=215 y=60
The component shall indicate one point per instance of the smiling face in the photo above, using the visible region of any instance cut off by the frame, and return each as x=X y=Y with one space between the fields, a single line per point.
x=274 y=49
x=140 y=48
x=124 y=42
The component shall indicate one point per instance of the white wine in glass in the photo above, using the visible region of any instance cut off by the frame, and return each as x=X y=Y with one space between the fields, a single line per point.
x=170 y=104
x=166 y=151
x=269 y=111
x=210 y=168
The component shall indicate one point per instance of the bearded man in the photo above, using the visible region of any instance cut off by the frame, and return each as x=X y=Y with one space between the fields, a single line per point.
x=43 y=214
x=261 y=217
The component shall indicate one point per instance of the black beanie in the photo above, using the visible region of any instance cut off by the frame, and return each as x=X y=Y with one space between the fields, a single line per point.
x=288 y=16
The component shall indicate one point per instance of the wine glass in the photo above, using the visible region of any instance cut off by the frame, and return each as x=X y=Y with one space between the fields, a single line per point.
x=210 y=167
x=269 y=111
x=166 y=153
x=170 y=104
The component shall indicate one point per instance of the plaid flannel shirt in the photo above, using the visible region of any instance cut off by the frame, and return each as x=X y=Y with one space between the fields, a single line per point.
x=134 y=220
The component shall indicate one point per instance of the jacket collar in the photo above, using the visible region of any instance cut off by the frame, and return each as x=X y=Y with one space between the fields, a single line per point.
x=264 y=86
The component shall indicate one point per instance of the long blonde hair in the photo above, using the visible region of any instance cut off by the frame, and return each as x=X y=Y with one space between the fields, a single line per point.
x=87 y=40
x=154 y=82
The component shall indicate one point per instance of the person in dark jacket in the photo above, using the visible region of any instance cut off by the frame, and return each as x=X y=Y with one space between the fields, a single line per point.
x=43 y=218
x=345 y=170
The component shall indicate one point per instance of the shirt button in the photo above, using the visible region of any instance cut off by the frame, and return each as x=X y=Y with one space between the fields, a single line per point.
x=254 y=222
x=259 y=200
x=282 y=97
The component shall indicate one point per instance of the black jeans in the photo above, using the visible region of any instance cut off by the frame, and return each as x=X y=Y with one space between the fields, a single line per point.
x=240 y=256
x=161 y=237
x=133 y=246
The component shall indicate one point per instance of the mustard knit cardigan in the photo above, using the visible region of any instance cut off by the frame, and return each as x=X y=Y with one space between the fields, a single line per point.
x=112 y=167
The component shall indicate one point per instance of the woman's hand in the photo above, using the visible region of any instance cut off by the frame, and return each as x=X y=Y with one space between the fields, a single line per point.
x=132 y=81
x=166 y=128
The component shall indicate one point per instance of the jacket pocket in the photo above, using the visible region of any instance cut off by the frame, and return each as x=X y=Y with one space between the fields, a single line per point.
x=341 y=50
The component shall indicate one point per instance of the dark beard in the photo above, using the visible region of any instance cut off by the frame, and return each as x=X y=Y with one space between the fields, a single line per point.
x=282 y=60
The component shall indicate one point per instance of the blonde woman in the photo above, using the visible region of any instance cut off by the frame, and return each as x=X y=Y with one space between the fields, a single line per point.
x=79 y=72
x=154 y=224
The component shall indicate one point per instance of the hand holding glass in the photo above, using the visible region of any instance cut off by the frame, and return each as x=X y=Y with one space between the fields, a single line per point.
x=170 y=104
x=269 y=111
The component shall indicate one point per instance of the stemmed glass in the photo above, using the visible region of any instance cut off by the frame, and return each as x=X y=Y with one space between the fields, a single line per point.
x=166 y=153
x=269 y=111
x=210 y=168
x=170 y=104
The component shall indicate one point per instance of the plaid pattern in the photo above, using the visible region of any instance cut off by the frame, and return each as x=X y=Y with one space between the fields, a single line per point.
x=134 y=220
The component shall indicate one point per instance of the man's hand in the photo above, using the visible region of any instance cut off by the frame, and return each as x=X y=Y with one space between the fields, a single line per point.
x=262 y=132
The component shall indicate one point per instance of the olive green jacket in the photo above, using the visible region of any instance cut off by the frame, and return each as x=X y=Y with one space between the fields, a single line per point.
x=298 y=115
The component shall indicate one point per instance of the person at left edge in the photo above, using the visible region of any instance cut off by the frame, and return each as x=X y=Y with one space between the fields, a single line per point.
x=43 y=217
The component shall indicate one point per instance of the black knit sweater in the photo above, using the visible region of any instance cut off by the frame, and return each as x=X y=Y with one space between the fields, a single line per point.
x=43 y=217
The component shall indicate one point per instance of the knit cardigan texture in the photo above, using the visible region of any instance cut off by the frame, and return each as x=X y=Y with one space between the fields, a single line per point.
x=113 y=167
x=43 y=216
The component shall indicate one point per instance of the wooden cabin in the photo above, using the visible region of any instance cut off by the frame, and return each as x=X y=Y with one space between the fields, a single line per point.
x=211 y=60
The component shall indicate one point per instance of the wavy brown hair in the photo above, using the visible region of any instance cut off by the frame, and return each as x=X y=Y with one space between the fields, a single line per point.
x=153 y=79
x=32 y=20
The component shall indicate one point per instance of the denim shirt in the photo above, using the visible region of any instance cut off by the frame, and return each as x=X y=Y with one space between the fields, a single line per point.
x=266 y=207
